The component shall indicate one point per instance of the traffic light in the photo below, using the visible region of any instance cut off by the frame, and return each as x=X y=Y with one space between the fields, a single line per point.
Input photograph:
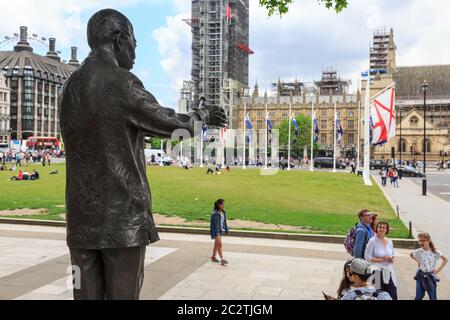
x=440 y=153
x=393 y=152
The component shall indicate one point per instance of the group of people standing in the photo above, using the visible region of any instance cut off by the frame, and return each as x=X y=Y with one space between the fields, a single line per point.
x=373 y=263
x=19 y=159
x=392 y=174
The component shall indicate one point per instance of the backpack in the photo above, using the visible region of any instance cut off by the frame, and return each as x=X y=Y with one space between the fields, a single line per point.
x=366 y=295
x=349 y=242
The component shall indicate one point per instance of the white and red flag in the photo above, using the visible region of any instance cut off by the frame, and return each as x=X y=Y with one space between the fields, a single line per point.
x=229 y=13
x=382 y=113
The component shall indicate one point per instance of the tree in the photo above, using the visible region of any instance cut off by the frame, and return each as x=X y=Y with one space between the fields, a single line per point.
x=304 y=136
x=282 y=6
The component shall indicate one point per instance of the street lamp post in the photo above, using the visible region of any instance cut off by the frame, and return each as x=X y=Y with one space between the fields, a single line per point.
x=425 y=87
x=401 y=142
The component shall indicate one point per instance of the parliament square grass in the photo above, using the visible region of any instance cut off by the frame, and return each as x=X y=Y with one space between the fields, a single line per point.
x=319 y=202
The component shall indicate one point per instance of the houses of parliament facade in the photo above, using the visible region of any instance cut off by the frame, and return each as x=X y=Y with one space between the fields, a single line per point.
x=409 y=142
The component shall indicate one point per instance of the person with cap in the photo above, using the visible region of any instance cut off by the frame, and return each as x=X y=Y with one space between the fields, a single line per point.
x=359 y=275
x=363 y=233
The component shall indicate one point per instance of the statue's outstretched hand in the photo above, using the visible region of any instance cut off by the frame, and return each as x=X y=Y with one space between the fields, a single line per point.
x=216 y=116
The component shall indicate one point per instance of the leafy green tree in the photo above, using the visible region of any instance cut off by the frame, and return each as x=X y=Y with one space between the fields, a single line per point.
x=304 y=136
x=282 y=6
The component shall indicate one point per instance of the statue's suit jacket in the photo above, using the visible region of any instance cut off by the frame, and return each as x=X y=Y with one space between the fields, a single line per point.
x=104 y=112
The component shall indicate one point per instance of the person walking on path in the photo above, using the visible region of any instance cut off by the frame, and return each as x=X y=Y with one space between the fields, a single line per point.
x=390 y=175
x=363 y=233
x=359 y=276
x=395 y=177
x=380 y=252
x=217 y=228
x=383 y=176
x=427 y=257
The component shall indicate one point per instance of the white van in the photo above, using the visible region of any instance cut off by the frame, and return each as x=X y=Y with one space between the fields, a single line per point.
x=157 y=156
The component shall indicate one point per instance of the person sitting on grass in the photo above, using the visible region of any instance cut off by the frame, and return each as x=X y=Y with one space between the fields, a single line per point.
x=19 y=176
x=34 y=175
x=359 y=276
x=218 y=226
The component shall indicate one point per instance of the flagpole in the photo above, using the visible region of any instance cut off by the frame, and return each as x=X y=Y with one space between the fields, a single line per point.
x=311 y=168
x=334 y=138
x=289 y=139
x=223 y=147
x=201 y=148
x=267 y=138
x=162 y=144
x=366 y=173
x=245 y=138
x=358 y=150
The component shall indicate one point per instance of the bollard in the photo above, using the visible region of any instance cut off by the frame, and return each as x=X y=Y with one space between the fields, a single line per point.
x=398 y=212
x=410 y=230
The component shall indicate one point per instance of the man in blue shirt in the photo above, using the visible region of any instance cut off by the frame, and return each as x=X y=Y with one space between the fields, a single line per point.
x=363 y=233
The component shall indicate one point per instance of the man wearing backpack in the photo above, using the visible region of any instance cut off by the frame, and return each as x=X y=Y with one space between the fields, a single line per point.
x=363 y=233
x=359 y=274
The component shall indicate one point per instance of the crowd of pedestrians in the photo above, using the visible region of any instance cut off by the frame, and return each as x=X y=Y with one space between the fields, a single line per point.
x=20 y=159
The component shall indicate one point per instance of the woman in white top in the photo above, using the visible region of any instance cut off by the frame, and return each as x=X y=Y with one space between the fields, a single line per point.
x=380 y=252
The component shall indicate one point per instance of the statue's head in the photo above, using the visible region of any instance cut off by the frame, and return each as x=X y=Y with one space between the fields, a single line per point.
x=110 y=28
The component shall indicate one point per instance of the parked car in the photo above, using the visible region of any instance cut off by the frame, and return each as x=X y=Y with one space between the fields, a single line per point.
x=407 y=171
x=378 y=164
x=328 y=163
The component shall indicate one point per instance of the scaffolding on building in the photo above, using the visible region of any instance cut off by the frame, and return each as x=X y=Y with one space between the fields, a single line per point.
x=331 y=84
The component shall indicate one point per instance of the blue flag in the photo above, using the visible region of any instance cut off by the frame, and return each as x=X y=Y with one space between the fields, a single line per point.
x=205 y=132
x=248 y=123
x=316 y=130
x=295 y=123
x=340 y=131
x=269 y=127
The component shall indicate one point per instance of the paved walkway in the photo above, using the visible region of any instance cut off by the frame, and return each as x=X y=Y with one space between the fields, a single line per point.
x=427 y=213
x=34 y=264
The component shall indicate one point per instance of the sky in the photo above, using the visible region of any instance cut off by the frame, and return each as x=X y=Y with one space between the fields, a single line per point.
x=299 y=45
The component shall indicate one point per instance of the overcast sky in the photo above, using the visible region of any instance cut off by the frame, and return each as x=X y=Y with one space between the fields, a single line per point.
x=300 y=44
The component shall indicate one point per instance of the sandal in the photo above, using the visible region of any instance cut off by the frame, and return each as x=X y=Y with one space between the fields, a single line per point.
x=224 y=262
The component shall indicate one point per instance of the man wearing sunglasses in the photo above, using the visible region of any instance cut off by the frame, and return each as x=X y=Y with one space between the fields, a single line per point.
x=363 y=233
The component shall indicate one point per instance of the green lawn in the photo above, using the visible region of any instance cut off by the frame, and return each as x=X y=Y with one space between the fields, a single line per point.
x=325 y=202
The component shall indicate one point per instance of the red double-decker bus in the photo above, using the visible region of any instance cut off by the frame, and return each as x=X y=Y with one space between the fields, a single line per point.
x=42 y=143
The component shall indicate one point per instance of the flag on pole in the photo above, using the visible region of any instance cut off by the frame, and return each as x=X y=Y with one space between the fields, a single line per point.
x=316 y=130
x=248 y=123
x=269 y=127
x=340 y=131
x=295 y=123
x=382 y=113
x=205 y=132
x=229 y=14
x=223 y=132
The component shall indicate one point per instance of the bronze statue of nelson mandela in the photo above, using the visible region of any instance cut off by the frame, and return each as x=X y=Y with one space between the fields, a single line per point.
x=105 y=111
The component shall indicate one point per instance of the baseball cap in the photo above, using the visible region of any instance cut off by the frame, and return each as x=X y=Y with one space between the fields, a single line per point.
x=361 y=267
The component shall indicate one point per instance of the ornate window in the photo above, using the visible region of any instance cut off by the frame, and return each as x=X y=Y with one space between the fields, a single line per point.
x=414 y=121
x=427 y=145
x=402 y=145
